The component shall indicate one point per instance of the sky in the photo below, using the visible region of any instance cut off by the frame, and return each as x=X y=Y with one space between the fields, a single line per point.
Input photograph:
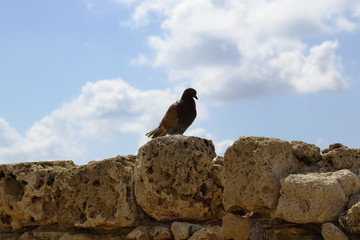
x=84 y=80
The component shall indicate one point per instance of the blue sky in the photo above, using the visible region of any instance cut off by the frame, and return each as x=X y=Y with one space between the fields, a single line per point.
x=86 y=79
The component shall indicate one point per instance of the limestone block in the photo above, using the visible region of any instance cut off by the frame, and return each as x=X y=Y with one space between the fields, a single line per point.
x=330 y=232
x=97 y=195
x=315 y=197
x=236 y=227
x=161 y=233
x=26 y=193
x=208 y=233
x=183 y=230
x=306 y=152
x=139 y=233
x=173 y=179
x=343 y=157
x=351 y=219
x=190 y=231
x=253 y=169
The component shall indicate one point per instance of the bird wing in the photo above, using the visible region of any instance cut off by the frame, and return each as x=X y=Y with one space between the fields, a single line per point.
x=171 y=117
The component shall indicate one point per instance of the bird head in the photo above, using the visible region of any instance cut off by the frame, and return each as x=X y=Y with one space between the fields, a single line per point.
x=189 y=93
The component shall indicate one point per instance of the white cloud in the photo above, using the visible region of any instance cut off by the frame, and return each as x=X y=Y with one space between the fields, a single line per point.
x=103 y=110
x=239 y=49
x=8 y=135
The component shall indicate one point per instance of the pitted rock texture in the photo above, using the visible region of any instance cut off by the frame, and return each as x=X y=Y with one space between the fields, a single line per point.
x=351 y=219
x=97 y=195
x=173 y=179
x=189 y=231
x=26 y=193
x=274 y=190
x=342 y=157
x=306 y=152
x=253 y=169
x=316 y=197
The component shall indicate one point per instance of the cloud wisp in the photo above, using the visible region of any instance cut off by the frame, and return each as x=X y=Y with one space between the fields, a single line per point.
x=243 y=49
x=106 y=109
x=102 y=109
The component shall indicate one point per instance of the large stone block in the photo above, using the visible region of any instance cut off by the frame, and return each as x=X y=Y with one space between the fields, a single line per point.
x=26 y=193
x=330 y=232
x=315 y=197
x=342 y=157
x=306 y=152
x=97 y=195
x=173 y=179
x=253 y=169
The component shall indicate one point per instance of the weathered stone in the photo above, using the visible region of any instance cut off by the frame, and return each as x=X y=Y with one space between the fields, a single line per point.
x=97 y=195
x=306 y=152
x=161 y=233
x=330 y=232
x=218 y=172
x=236 y=227
x=150 y=233
x=315 y=197
x=139 y=233
x=26 y=193
x=183 y=230
x=332 y=147
x=351 y=219
x=253 y=169
x=208 y=233
x=342 y=157
x=173 y=179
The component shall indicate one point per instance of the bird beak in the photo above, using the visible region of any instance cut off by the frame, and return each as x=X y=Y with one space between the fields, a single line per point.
x=196 y=97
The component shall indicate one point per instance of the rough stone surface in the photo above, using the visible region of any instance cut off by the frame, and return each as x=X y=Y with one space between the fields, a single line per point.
x=208 y=233
x=97 y=195
x=183 y=230
x=173 y=179
x=150 y=233
x=236 y=227
x=330 y=232
x=351 y=219
x=274 y=190
x=342 y=157
x=253 y=169
x=26 y=193
x=218 y=172
x=306 y=152
x=315 y=197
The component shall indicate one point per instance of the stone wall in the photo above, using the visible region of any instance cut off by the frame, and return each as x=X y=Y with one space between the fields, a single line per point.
x=177 y=188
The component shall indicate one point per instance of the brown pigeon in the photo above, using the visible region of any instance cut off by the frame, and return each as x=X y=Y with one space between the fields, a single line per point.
x=178 y=117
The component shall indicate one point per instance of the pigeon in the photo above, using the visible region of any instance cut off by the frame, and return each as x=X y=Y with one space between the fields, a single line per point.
x=178 y=117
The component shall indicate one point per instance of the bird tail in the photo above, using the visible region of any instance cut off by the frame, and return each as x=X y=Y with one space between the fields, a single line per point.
x=157 y=132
